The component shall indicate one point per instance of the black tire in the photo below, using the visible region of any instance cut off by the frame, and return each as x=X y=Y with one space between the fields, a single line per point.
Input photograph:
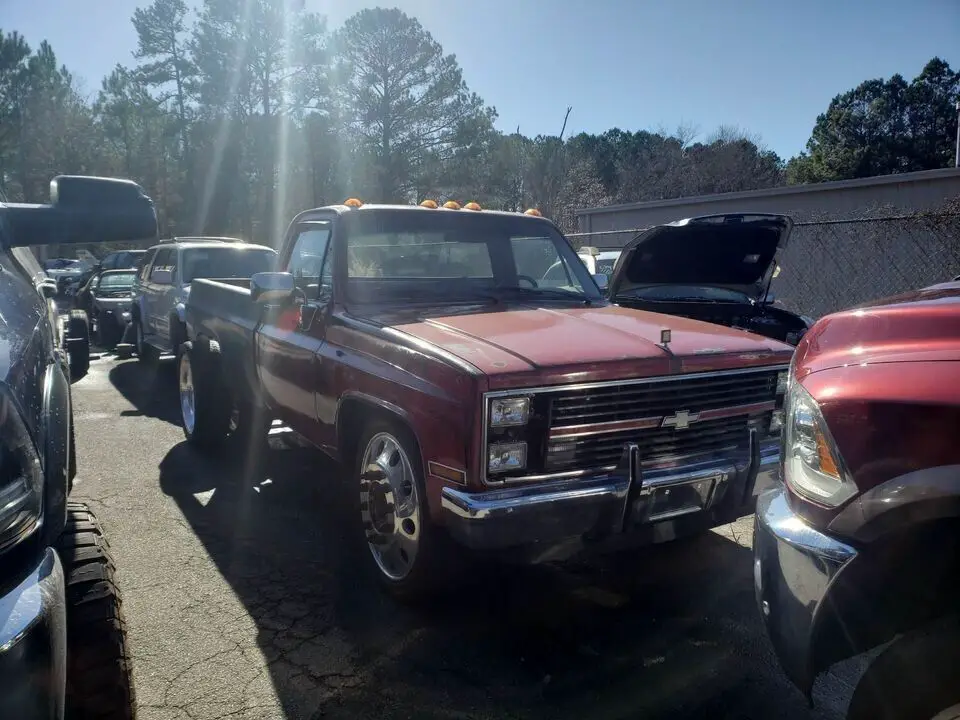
x=145 y=352
x=178 y=335
x=99 y=684
x=78 y=344
x=211 y=405
x=915 y=678
x=433 y=570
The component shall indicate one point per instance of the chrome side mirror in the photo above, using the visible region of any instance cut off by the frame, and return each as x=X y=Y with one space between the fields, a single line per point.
x=48 y=288
x=272 y=288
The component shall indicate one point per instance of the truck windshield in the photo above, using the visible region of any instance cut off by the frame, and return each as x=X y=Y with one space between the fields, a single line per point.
x=225 y=262
x=409 y=254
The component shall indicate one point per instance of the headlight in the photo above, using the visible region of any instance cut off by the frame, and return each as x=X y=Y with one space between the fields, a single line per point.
x=21 y=479
x=505 y=412
x=506 y=457
x=812 y=465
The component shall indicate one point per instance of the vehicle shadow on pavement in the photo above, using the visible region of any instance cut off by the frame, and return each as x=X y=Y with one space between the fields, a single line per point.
x=150 y=388
x=670 y=631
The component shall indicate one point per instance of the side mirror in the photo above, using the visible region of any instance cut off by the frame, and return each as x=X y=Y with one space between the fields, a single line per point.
x=272 y=288
x=603 y=282
x=83 y=210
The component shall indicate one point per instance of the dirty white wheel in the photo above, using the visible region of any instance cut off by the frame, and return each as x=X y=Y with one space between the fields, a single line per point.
x=390 y=506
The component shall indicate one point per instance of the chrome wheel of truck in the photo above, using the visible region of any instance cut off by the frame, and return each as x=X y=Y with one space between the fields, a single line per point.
x=390 y=506
x=187 y=397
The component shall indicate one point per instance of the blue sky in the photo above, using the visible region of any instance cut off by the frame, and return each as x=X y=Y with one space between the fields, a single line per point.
x=768 y=66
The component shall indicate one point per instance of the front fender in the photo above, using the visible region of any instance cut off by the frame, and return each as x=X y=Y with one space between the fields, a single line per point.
x=56 y=419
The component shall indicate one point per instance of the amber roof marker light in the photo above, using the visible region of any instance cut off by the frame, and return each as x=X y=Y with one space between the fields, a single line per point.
x=430 y=204
x=353 y=202
x=451 y=205
x=472 y=206
x=534 y=212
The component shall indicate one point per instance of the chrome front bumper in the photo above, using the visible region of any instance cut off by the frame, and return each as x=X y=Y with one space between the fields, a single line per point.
x=33 y=644
x=794 y=569
x=718 y=490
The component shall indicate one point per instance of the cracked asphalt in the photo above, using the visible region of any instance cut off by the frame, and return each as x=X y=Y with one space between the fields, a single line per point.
x=244 y=599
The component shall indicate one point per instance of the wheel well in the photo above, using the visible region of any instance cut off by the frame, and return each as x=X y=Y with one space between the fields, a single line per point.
x=354 y=414
x=896 y=584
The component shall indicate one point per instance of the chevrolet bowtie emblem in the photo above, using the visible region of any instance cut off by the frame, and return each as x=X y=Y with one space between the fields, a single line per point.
x=680 y=420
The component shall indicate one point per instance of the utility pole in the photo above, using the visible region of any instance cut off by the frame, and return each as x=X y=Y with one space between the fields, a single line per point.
x=957 y=159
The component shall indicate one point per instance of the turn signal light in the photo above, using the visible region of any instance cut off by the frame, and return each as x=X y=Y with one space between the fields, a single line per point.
x=534 y=212
x=451 y=205
x=432 y=204
x=352 y=202
x=472 y=206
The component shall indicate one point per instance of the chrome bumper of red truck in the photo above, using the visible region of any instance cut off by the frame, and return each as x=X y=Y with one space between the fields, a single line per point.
x=718 y=490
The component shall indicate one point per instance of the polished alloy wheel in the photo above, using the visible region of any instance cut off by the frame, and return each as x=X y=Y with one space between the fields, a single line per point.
x=187 y=398
x=390 y=506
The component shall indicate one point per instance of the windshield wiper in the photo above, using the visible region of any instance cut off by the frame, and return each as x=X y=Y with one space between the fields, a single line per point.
x=552 y=293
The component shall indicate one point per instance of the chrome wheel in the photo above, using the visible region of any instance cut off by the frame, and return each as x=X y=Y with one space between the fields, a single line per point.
x=187 y=397
x=389 y=506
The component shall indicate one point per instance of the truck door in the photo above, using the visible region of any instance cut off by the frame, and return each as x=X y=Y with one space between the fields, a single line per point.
x=289 y=341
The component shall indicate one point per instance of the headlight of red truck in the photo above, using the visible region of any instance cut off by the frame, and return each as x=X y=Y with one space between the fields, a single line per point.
x=812 y=466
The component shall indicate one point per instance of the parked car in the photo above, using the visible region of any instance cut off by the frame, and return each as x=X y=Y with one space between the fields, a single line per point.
x=64 y=271
x=122 y=259
x=470 y=402
x=861 y=542
x=599 y=261
x=163 y=285
x=111 y=305
x=62 y=645
x=716 y=268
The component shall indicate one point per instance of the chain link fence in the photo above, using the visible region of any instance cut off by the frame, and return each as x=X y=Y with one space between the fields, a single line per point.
x=832 y=264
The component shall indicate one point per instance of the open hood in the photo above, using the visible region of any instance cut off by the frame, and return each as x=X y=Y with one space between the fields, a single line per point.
x=737 y=252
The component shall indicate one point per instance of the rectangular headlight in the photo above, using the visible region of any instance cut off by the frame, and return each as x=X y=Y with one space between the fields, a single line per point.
x=506 y=457
x=506 y=412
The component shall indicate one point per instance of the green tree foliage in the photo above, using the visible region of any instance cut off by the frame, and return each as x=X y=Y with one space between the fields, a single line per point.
x=404 y=101
x=884 y=126
x=238 y=115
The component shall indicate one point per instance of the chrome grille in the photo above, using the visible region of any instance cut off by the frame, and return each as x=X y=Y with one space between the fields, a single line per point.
x=589 y=426
x=659 y=447
x=629 y=401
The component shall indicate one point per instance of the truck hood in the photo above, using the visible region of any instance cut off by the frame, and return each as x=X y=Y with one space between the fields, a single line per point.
x=578 y=340
x=730 y=251
x=919 y=326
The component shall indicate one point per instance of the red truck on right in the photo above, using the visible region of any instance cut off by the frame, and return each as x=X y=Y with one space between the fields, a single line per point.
x=859 y=545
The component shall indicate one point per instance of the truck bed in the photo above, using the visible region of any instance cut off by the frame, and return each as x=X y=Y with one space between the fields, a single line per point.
x=221 y=310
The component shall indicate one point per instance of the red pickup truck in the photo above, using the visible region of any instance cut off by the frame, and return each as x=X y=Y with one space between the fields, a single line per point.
x=861 y=543
x=476 y=394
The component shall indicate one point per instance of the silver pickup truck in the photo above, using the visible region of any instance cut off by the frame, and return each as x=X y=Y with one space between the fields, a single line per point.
x=163 y=285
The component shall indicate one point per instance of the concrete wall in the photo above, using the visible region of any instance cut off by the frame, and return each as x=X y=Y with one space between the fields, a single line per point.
x=833 y=200
x=854 y=241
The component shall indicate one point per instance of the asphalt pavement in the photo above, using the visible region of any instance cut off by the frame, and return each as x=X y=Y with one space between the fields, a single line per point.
x=245 y=600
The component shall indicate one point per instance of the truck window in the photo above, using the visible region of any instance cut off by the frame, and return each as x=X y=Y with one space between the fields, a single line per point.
x=163 y=262
x=145 y=267
x=306 y=261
